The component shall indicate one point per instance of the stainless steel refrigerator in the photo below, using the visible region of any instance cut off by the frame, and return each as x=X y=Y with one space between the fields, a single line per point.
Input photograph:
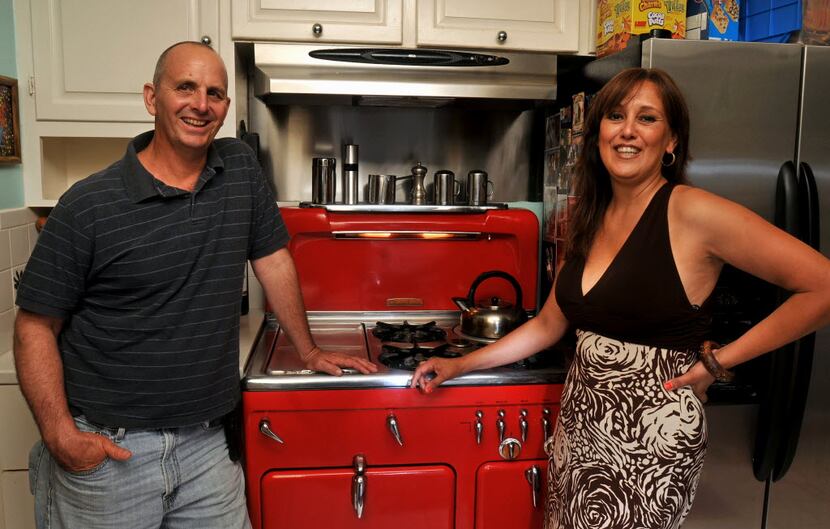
x=760 y=135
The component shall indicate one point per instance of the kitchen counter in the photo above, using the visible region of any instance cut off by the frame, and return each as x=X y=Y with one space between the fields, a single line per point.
x=248 y=328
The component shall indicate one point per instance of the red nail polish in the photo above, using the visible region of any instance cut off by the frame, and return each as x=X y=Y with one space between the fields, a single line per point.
x=668 y=385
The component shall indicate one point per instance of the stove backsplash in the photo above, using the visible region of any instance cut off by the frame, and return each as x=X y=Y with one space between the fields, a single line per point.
x=392 y=140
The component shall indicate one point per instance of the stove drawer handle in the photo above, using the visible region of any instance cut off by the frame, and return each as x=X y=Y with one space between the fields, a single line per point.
x=265 y=429
x=392 y=424
x=359 y=485
x=534 y=477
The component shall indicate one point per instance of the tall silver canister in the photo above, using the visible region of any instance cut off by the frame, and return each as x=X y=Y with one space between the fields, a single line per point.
x=323 y=180
x=479 y=188
x=444 y=187
x=350 y=175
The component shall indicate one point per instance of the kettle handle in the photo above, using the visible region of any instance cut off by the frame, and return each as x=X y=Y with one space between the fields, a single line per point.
x=495 y=273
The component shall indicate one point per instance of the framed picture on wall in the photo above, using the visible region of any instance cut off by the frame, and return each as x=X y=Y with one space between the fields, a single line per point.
x=9 y=121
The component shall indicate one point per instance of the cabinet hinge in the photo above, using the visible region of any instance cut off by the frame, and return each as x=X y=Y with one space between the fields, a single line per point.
x=31 y=85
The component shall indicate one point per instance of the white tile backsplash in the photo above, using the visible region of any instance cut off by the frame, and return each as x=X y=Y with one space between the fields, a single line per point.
x=6 y=330
x=10 y=218
x=17 y=238
x=6 y=292
x=5 y=250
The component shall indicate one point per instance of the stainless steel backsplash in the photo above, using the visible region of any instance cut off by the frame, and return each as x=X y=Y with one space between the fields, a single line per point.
x=392 y=140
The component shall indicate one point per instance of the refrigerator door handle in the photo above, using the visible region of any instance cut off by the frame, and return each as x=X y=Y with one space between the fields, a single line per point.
x=803 y=353
x=775 y=402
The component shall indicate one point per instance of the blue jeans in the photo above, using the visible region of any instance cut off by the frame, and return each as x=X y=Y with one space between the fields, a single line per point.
x=179 y=478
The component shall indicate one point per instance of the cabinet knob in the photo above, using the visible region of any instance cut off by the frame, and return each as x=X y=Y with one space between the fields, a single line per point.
x=206 y=40
x=317 y=29
x=502 y=36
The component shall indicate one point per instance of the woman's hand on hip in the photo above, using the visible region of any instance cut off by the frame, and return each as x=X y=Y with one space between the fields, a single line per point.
x=697 y=377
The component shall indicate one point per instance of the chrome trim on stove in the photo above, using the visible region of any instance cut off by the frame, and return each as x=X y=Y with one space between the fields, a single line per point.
x=259 y=378
x=404 y=208
x=402 y=234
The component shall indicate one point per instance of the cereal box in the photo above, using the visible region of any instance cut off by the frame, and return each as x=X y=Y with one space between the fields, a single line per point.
x=618 y=20
x=712 y=19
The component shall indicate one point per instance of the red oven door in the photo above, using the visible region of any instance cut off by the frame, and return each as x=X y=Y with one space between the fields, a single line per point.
x=415 y=497
x=505 y=494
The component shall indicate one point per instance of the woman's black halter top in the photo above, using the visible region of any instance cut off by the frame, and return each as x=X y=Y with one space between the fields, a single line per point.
x=639 y=298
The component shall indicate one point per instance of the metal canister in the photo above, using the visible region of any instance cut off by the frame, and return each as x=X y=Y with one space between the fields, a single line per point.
x=444 y=187
x=323 y=180
x=381 y=189
x=350 y=174
x=477 y=187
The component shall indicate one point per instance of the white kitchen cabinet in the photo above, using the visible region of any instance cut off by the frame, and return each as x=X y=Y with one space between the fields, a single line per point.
x=536 y=25
x=17 y=505
x=17 y=436
x=82 y=65
x=358 y=21
x=92 y=57
x=562 y=26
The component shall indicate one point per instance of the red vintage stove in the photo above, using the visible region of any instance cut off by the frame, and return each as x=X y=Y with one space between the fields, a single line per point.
x=366 y=451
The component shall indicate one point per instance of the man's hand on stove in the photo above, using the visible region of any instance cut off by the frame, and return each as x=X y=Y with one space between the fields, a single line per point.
x=442 y=368
x=331 y=362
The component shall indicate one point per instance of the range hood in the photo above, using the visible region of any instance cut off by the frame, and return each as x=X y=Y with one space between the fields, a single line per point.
x=399 y=76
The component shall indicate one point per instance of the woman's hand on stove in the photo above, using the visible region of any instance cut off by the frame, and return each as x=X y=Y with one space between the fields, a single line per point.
x=331 y=362
x=442 y=368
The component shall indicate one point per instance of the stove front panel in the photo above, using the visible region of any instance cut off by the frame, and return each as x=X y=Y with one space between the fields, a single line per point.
x=323 y=431
x=400 y=261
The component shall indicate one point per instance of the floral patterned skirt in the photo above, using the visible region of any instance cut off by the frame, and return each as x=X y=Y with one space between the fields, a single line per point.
x=625 y=453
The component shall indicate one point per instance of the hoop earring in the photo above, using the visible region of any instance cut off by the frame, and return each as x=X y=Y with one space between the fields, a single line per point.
x=673 y=159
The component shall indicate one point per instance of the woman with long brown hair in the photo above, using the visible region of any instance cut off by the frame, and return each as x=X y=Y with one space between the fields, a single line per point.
x=644 y=253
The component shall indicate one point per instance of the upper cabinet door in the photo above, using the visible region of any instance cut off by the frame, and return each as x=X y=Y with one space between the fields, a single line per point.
x=535 y=25
x=92 y=57
x=357 y=21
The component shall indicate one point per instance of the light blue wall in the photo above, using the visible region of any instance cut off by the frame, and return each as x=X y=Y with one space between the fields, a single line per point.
x=11 y=176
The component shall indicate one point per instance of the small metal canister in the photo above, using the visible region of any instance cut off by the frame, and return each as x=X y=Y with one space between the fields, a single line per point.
x=478 y=191
x=381 y=189
x=323 y=180
x=444 y=187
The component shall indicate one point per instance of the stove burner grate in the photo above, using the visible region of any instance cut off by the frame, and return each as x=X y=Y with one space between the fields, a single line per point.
x=408 y=358
x=408 y=333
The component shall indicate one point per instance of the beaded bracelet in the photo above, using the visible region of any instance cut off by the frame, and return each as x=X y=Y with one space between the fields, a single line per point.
x=711 y=363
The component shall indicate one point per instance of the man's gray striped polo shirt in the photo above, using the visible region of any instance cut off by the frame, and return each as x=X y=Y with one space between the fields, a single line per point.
x=148 y=280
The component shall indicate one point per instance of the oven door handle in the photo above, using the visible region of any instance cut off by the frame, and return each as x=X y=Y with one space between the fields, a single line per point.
x=534 y=477
x=265 y=429
x=359 y=485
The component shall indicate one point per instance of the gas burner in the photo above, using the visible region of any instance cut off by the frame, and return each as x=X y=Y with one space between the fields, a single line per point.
x=408 y=333
x=461 y=343
x=408 y=358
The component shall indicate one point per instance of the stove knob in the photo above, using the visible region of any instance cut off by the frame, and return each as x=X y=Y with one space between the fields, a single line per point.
x=479 y=426
x=265 y=429
x=500 y=425
x=523 y=425
x=392 y=424
x=510 y=449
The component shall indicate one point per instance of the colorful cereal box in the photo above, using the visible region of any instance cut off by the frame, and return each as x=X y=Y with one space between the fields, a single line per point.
x=712 y=19
x=618 y=20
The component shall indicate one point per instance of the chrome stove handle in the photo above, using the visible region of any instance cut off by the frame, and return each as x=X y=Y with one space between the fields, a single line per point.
x=392 y=424
x=523 y=424
x=534 y=477
x=546 y=423
x=265 y=429
x=479 y=426
x=359 y=485
x=500 y=425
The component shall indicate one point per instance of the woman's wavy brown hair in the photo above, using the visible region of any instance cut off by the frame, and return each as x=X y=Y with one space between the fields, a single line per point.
x=592 y=185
